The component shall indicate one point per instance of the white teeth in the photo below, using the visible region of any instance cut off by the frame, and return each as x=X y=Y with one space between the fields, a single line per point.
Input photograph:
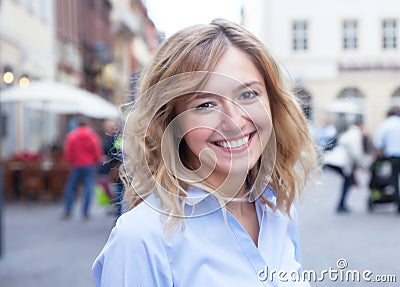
x=235 y=143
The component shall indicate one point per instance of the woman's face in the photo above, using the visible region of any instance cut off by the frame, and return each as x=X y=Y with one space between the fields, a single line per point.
x=227 y=125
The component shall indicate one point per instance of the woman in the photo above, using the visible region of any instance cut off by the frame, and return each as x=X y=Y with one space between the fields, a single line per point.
x=211 y=147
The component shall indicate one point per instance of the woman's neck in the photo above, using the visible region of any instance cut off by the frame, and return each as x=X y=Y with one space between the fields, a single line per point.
x=233 y=187
x=245 y=213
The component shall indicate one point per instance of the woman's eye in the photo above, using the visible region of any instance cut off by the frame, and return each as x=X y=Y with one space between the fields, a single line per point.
x=203 y=106
x=249 y=95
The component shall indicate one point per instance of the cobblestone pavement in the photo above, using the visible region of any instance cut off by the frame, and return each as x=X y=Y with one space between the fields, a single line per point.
x=41 y=250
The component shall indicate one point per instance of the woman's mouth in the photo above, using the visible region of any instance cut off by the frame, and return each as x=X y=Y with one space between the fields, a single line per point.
x=234 y=143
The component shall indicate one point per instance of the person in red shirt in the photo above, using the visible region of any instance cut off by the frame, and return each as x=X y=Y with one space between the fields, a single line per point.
x=84 y=152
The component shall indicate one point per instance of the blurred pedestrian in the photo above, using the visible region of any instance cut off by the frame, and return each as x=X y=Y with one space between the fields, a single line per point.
x=327 y=136
x=211 y=185
x=387 y=144
x=82 y=149
x=344 y=159
x=109 y=169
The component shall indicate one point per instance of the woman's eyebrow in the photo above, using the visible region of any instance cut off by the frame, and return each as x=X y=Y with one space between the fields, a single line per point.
x=248 y=84
x=209 y=94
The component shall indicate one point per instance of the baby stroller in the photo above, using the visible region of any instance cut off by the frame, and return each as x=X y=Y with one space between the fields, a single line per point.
x=381 y=183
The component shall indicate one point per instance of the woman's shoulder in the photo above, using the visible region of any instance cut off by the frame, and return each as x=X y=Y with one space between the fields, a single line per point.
x=145 y=220
x=135 y=251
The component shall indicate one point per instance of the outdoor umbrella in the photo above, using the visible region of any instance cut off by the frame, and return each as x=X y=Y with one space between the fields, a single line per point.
x=60 y=98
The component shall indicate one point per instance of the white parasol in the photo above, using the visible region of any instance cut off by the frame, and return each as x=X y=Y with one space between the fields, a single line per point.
x=60 y=98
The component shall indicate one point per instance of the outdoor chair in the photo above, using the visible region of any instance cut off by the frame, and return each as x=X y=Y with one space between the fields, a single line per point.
x=57 y=178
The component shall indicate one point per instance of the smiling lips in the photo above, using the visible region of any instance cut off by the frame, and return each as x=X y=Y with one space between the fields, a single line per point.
x=234 y=144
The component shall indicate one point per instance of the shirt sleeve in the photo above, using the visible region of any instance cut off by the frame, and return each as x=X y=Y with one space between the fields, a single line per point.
x=379 y=139
x=67 y=149
x=294 y=234
x=131 y=258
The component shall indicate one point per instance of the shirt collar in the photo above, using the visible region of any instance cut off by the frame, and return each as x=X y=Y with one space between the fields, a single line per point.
x=196 y=194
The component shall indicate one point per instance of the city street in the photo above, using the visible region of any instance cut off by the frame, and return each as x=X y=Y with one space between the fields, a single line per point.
x=42 y=250
x=367 y=241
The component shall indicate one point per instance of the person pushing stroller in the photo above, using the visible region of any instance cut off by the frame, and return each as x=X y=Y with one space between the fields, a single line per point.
x=387 y=144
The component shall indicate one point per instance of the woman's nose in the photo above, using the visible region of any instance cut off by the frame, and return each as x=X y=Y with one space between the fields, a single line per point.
x=233 y=117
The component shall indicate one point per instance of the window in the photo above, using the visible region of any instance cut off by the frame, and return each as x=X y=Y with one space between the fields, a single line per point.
x=300 y=37
x=389 y=32
x=350 y=34
x=349 y=107
x=350 y=93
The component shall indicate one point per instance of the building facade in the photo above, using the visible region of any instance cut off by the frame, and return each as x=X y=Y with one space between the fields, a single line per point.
x=343 y=56
x=27 y=52
x=68 y=44
x=22 y=52
x=97 y=45
x=135 y=39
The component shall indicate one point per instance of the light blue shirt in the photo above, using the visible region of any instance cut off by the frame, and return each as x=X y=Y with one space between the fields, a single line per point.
x=388 y=137
x=211 y=250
